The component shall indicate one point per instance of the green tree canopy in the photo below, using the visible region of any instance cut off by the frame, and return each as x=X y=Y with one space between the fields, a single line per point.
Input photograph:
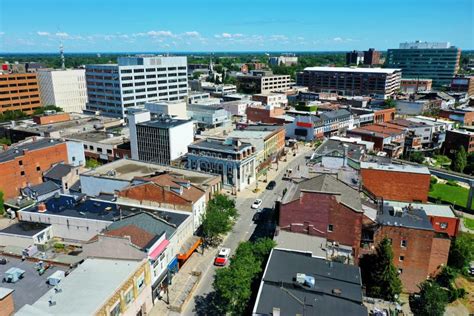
x=219 y=218
x=461 y=252
x=417 y=156
x=45 y=108
x=2 y=207
x=379 y=274
x=431 y=300
x=460 y=160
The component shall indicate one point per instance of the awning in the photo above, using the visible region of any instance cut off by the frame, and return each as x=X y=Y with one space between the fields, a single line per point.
x=188 y=248
x=173 y=265
x=158 y=250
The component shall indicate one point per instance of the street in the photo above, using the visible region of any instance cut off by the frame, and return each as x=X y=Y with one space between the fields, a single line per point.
x=244 y=228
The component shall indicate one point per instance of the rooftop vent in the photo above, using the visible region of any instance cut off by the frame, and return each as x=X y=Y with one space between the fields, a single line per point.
x=337 y=292
x=42 y=208
x=305 y=280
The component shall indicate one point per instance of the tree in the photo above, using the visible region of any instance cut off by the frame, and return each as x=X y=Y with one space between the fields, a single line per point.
x=45 y=108
x=461 y=252
x=431 y=300
x=218 y=219
x=470 y=164
x=92 y=163
x=460 y=160
x=417 y=156
x=379 y=273
x=5 y=141
x=390 y=103
x=233 y=284
x=2 y=207
x=12 y=115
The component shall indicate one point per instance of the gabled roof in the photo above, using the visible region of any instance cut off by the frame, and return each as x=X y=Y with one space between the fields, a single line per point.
x=58 y=171
x=43 y=188
x=139 y=237
x=327 y=184
x=153 y=225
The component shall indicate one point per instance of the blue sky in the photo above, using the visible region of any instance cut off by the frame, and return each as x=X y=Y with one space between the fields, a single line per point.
x=258 y=25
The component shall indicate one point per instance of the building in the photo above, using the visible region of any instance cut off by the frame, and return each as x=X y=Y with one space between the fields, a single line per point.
x=326 y=207
x=120 y=174
x=283 y=60
x=233 y=160
x=209 y=116
x=371 y=57
x=98 y=287
x=160 y=140
x=410 y=86
x=268 y=140
x=456 y=138
x=65 y=88
x=262 y=82
x=418 y=106
x=273 y=99
x=237 y=108
x=266 y=114
x=442 y=217
x=462 y=116
x=419 y=251
x=377 y=82
x=19 y=92
x=436 y=61
x=385 y=138
x=64 y=175
x=296 y=283
x=55 y=125
x=99 y=145
x=23 y=164
x=175 y=109
x=168 y=191
x=404 y=183
x=463 y=84
x=335 y=153
x=133 y=81
x=354 y=58
x=7 y=306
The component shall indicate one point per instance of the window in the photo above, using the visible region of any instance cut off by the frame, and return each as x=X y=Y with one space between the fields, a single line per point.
x=141 y=282
x=443 y=225
x=401 y=258
x=99 y=149
x=129 y=297
x=400 y=271
x=404 y=243
x=109 y=151
x=20 y=162
x=330 y=228
x=22 y=173
x=116 y=310
x=38 y=168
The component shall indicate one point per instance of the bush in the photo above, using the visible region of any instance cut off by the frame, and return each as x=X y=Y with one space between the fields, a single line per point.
x=452 y=183
x=59 y=245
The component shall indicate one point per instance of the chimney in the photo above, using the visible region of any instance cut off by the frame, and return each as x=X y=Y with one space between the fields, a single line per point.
x=276 y=311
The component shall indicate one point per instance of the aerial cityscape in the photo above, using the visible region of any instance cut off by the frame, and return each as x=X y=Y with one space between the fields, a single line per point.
x=236 y=158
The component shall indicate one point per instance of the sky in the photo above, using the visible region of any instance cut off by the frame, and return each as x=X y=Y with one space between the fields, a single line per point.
x=227 y=25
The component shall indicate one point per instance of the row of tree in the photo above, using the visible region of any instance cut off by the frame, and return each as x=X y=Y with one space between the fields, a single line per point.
x=218 y=219
x=18 y=115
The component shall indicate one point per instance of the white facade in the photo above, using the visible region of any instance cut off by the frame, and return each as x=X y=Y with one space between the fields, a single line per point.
x=134 y=81
x=175 y=109
x=63 y=88
x=181 y=137
x=134 y=118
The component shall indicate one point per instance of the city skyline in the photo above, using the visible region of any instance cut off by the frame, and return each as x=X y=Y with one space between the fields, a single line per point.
x=263 y=26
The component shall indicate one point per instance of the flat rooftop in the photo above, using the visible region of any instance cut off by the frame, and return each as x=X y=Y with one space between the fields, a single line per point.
x=356 y=70
x=219 y=145
x=99 y=137
x=164 y=123
x=24 y=229
x=86 y=289
x=395 y=216
x=394 y=167
x=430 y=209
x=301 y=242
x=16 y=150
x=127 y=169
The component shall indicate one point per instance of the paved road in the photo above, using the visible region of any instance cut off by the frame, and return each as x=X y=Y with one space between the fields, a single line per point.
x=245 y=228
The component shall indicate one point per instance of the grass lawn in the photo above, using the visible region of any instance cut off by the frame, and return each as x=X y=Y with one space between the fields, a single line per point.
x=469 y=223
x=450 y=194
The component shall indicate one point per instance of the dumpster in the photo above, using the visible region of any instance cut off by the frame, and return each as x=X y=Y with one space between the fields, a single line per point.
x=56 y=277
x=12 y=275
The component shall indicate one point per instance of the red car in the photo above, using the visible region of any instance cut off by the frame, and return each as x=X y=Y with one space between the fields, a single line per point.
x=222 y=257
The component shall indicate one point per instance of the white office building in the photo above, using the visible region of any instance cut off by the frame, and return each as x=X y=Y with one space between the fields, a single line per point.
x=160 y=139
x=112 y=88
x=63 y=88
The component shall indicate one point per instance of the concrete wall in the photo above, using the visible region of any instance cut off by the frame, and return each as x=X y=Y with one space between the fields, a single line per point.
x=75 y=151
x=16 y=240
x=112 y=247
x=180 y=137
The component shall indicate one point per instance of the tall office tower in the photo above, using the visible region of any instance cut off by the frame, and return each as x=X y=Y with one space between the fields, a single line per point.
x=19 y=92
x=63 y=88
x=437 y=61
x=371 y=57
x=112 y=88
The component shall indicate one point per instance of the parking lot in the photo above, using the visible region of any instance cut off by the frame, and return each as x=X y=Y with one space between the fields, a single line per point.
x=32 y=286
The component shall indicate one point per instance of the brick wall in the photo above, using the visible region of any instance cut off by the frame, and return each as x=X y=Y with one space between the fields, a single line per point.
x=439 y=254
x=14 y=176
x=49 y=119
x=398 y=186
x=260 y=114
x=7 y=306
x=438 y=221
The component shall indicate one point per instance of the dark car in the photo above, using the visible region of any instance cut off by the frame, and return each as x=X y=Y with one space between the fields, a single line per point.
x=256 y=217
x=271 y=185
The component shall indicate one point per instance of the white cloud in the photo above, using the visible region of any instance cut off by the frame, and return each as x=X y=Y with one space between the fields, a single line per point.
x=192 y=34
x=229 y=35
x=160 y=34
x=226 y=35
x=40 y=33
x=337 y=39
x=62 y=34
x=278 y=37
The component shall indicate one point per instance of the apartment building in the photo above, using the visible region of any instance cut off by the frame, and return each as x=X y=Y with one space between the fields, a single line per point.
x=458 y=138
x=436 y=61
x=159 y=139
x=19 y=92
x=347 y=81
x=63 y=88
x=262 y=82
x=371 y=57
x=409 y=85
x=285 y=60
x=133 y=81
x=273 y=99
x=463 y=84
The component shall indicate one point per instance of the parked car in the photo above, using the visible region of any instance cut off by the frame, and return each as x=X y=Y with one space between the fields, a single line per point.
x=256 y=204
x=471 y=269
x=3 y=261
x=271 y=185
x=256 y=217
x=222 y=257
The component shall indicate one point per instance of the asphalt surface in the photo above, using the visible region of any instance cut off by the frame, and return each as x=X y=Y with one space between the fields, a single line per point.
x=245 y=229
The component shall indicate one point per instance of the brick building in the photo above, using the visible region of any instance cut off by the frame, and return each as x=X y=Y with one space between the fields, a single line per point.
x=385 y=138
x=463 y=84
x=456 y=138
x=408 y=85
x=326 y=207
x=50 y=118
x=19 y=91
x=462 y=116
x=23 y=164
x=7 y=306
x=419 y=251
x=405 y=183
x=267 y=115
x=384 y=115
x=371 y=57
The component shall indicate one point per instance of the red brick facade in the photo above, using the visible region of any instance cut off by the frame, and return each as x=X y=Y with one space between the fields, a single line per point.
x=448 y=225
x=384 y=115
x=28 y=168
x=267 y=116
x=314 y=212
x=420 y=256
x=397 y=186
x=7 y=306
x=53 y=118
